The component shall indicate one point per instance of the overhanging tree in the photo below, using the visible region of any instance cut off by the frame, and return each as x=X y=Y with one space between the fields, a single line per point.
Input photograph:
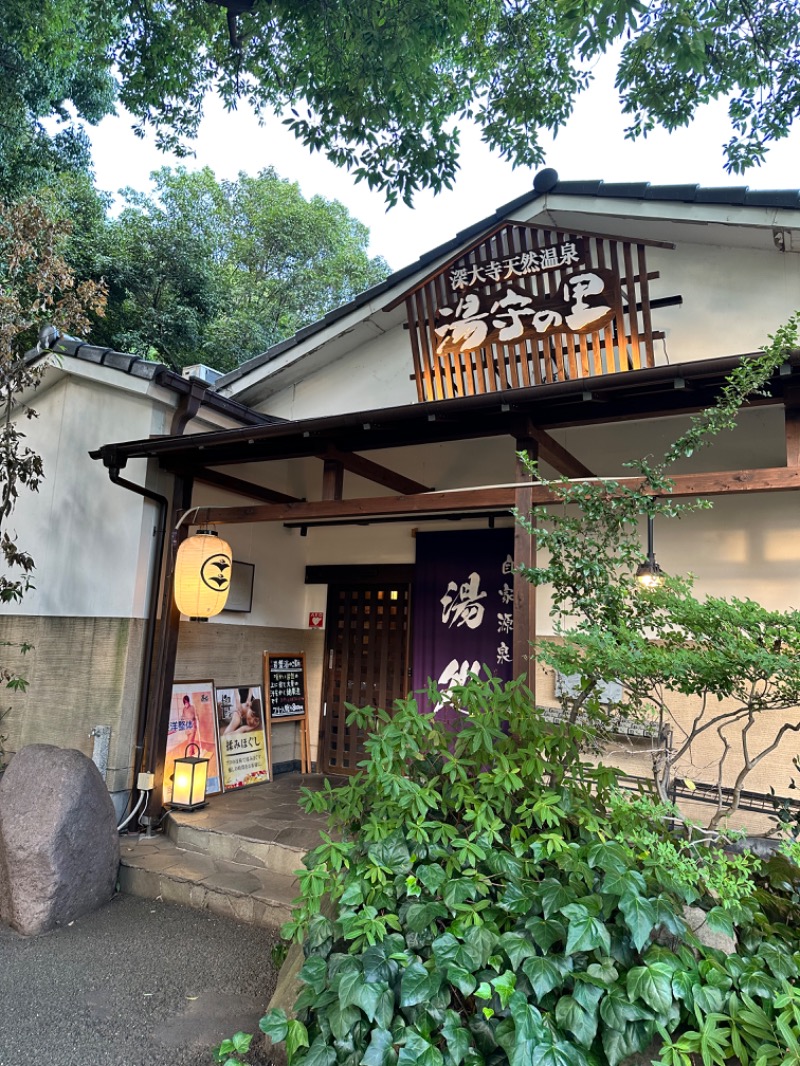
x=737 y=661
x=381 y=87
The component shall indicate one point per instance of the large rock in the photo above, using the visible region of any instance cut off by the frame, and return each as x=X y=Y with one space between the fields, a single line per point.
x=59 y=845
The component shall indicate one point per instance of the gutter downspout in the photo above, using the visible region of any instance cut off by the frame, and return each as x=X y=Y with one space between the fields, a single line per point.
x=186 y=410
x=112 y=464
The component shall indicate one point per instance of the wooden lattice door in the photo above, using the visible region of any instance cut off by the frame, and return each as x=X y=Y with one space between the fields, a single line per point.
x=367 y=663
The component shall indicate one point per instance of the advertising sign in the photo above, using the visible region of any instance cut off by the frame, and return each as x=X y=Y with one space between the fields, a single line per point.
x=242 y=738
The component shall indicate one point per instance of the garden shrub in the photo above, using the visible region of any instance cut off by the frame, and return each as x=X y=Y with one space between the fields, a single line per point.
x=495 y=899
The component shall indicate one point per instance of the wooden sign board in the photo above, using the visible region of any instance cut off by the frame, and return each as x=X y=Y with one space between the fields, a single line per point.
x=526 y=305
x=287 y=698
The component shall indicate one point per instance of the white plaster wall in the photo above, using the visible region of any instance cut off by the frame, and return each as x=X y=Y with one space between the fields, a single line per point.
x=84 y=533
x=733 y=298
x=378 y=373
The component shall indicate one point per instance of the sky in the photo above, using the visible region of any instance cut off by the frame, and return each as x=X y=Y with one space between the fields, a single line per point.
x=592 y=146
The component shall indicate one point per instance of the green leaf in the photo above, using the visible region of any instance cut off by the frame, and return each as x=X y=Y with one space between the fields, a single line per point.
x=419 y=1052
x=342 y=1019
x=653 y=984
x=459 y=891
x=610 y=856
x=504 y=986
x=420 y=916
x=417 y=985
x=380 y=1050
x=517 y=946
x=555 y=1053
x=585 y=933
x=639 y=916
x=617 y=1011
x=546 y=932
x=553 y=896
x=543 y=975
x=457 y=1038
x=319 y=1054
x=392 y=854
x=432 y=877
x=620 y=1044
x=462 y=979
x=242 y=1041
x=296 y=1037
x=719 y=920
x=576 y=1019
x=275 y=1024
x=314 y=973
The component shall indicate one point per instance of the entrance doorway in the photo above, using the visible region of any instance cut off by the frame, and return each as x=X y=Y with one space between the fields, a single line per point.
x=366 y=659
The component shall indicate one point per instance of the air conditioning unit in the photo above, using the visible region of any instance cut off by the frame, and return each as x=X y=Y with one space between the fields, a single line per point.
x=202 y=373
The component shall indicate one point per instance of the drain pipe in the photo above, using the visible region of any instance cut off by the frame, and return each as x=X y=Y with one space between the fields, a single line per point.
x=111 y=462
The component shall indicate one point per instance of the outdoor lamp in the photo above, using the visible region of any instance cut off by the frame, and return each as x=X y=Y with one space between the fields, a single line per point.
x=649 y=575
x=189 y=781
x=202 y=575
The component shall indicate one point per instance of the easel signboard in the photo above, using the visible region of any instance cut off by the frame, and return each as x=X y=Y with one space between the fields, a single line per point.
x=287 y=699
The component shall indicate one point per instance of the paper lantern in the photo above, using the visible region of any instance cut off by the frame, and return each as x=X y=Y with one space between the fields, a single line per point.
x=202 y=575
x=189 y=781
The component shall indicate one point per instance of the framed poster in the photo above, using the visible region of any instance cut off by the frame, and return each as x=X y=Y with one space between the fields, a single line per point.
x=242 y=736
x=192 y=721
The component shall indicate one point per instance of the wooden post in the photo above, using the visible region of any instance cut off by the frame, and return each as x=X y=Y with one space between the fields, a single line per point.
x=791 y=414
x=524 y=555
x=166 y=652
x=332 y=480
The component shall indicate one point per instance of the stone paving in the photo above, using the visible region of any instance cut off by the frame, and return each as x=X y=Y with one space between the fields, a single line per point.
x=237 y=857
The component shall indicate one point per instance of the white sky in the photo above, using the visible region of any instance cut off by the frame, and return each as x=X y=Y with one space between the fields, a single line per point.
x=591 y=147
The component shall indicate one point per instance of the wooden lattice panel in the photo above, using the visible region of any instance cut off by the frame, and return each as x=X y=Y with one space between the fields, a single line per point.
x=527 y=306
x=367 y=663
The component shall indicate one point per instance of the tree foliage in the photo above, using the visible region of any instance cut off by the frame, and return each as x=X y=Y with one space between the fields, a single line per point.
x=735 y=659
x=55 y=63
x=37 y=287
x=381 y=87
x=216 y=272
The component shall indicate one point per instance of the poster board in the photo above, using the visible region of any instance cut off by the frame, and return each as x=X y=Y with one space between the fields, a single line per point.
x=242 y=736
x=287 y=698
x=192 y=720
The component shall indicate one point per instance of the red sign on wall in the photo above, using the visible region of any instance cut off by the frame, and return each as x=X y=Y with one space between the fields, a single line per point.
x=316 y=620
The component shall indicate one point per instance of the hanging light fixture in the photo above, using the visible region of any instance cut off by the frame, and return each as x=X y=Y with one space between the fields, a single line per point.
x=202 y=575
x=189 y=781
x=649 y=574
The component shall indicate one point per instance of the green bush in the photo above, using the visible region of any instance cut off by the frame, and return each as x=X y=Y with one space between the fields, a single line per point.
x=494 y=899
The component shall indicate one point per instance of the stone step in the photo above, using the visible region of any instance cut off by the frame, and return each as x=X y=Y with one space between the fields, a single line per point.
x=279 y=849
x=156 y=867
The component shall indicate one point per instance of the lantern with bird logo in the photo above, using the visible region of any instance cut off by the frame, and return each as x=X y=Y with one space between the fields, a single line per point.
x=202 y=575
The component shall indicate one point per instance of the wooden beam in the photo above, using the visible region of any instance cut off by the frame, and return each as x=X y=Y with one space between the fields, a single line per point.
x=242 y=487
x=332 y=480
x=498 y=498
x=381 y=475
x=524 y=555
x=553 y=453
x=365 y=508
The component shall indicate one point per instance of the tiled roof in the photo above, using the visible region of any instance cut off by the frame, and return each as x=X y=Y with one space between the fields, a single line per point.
x=546 y=181
x=158 y=373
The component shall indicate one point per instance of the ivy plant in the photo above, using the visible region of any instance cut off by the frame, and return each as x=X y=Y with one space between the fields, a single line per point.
x=487 y=896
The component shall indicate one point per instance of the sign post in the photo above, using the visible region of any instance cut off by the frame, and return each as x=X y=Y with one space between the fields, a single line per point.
x=287 y=699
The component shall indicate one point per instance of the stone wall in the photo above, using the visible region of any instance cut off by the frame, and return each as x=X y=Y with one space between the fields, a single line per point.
x=82 y=672
x=85 y=672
